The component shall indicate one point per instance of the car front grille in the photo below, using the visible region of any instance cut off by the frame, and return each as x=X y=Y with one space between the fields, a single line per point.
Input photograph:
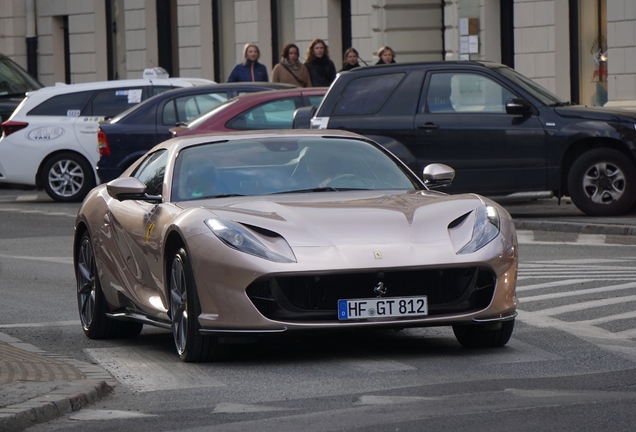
x=315 y=297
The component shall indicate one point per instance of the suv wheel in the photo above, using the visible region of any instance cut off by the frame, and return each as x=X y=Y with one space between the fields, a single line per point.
x=67 y=177
x=602 y=182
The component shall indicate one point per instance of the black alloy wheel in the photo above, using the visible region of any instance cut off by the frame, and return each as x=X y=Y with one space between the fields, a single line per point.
x=185 y=309
x=91 y=302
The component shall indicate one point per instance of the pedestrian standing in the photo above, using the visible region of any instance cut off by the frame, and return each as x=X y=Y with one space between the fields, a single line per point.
x=387 y=55
x=321 y=69
x=250 y=70
x=290 y=70
x=350 y=59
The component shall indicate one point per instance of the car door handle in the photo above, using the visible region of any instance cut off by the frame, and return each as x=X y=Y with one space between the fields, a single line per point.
x=428 y=126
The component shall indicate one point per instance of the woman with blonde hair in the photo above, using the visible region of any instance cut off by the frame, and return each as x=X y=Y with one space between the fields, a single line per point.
x=387 y=55
x=250 y=70
x=290 y=70
x=321 y=69
x=351 y=57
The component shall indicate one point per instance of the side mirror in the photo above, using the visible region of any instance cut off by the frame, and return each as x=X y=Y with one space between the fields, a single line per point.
x=303 y=116
x=129 y=188
x=518 y=106
x=438 y=175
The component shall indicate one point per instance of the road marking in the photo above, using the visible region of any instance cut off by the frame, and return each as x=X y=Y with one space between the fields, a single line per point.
x=26 y=198
x=529 y=237
x=610 y=288
x=245 y=408
x=552 y=284
x=44 y=324
x=391 y=400
x=148 y=370
x=92 y=414
x=57 y=260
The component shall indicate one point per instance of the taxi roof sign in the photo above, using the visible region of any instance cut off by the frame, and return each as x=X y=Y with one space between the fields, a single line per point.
x=156 y=73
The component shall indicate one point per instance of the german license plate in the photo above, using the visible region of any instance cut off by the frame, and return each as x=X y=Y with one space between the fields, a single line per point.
x=382 y=308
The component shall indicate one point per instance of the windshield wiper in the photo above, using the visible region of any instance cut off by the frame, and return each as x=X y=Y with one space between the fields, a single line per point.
x=225 y=195
x=320 y=189
x=560 y=104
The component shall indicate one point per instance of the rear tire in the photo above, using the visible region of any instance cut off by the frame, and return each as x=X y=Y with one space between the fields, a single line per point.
x=67 y=177
x=602 y=182
x=185 y=309
x=91 y=302
x=489 y=335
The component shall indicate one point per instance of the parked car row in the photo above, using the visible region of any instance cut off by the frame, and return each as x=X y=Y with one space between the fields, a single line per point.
x=125 y=138
x=503 y=134
x=50 y=139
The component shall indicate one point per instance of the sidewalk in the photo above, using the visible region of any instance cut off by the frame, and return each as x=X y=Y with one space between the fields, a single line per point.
x=548 y=215
x=37 y=386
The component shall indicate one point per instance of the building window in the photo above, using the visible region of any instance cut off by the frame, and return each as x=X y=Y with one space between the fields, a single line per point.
x=167 y=36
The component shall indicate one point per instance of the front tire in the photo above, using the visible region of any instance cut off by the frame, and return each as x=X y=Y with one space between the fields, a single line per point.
x=67 y=177
x=91 y=302
x=489 y=335
x=185 y=310
x=602 y=182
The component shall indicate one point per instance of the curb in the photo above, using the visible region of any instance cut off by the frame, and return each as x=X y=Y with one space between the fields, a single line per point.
x=67 y=398
x=67 y=395
x=570 y=227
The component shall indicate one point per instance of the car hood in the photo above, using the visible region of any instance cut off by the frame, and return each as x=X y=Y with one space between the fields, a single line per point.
x=344 y=218
x=595 y=113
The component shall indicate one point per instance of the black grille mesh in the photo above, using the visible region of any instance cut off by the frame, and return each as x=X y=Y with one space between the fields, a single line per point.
x=314 y=293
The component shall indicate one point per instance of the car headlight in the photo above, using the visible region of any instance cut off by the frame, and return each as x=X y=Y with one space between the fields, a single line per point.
x=238 y=237
x=486 y=228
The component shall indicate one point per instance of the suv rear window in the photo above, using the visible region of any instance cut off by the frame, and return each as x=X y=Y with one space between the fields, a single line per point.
x=70 y=105
x=366 y=95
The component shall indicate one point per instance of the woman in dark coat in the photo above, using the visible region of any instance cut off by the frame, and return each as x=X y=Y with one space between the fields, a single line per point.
x=387 y=55
x=250 y=70
x=321 y=69
x=350 y=59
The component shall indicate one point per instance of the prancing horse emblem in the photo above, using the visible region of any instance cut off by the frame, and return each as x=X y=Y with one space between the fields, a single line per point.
x=380 y=289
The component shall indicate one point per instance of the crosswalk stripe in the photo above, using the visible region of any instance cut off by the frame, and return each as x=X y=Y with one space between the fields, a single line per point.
x=553 y=284
x=584 y=305
x=580 y=292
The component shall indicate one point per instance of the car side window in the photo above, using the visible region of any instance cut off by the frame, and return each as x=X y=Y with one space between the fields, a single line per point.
x=109 y=103
x=189 y=107
x=315 y=100
x=367 y=95
x=465 y=92
x=276 y=114
x=152 y=170
x=71 y=105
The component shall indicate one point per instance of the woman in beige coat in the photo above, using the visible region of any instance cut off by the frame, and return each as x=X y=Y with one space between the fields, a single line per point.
x=290 y=70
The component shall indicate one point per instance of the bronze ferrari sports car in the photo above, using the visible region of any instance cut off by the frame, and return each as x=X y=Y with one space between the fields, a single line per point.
x=250 y=233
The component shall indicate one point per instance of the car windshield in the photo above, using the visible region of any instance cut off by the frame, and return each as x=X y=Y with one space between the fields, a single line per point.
x=14 y=80
x=543 y=95
x=197 y=121
x=305 y=164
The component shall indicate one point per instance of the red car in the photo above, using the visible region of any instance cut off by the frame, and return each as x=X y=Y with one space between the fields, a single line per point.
x=256 y=111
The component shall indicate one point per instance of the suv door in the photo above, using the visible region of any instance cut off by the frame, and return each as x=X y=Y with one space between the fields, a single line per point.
x=462 y=122
x=382 y=107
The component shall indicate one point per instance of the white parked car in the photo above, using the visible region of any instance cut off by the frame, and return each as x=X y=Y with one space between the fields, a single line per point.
x=50 y=140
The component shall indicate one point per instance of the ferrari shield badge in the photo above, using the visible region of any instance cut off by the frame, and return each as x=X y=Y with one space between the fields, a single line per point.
x=149 y=231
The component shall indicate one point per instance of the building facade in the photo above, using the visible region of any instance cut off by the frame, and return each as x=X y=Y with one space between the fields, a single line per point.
x=581 y=50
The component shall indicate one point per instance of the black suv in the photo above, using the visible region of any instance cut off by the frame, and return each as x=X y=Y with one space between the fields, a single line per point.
x=504 y=135
x=14 y=83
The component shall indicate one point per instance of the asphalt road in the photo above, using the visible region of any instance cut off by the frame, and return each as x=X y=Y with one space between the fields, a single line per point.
x=569 y=366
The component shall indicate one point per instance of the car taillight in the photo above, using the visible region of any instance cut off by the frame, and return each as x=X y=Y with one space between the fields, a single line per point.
x=102 y=144
x=9 y=127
